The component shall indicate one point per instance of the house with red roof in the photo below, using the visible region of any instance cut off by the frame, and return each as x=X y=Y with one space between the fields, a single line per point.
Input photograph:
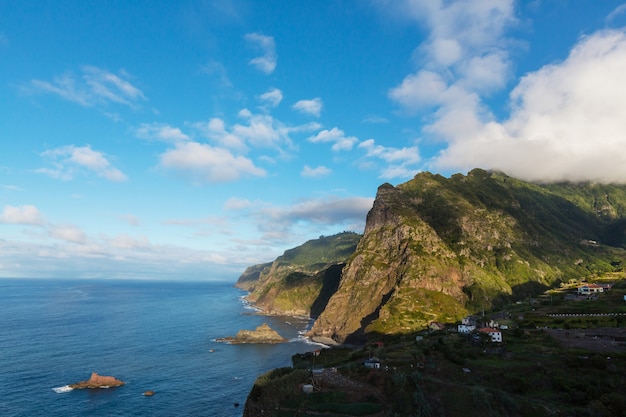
x=495 y=334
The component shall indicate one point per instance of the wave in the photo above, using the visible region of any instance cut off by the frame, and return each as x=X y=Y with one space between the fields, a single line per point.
x=64 y=388
x=247 y=304
x=306 y=340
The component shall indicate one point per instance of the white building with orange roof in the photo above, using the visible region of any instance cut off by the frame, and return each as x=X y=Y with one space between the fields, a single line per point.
x=495 y=334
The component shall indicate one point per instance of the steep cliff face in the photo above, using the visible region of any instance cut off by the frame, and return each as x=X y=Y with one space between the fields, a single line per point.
x=437 y=248
x=300 y=282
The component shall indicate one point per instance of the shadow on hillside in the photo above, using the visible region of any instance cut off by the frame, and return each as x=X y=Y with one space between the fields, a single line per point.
x=359 y=336
x=332 y=275
x=520 y=292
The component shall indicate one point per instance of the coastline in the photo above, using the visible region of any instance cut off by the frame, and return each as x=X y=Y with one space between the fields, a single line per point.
x=315 y=340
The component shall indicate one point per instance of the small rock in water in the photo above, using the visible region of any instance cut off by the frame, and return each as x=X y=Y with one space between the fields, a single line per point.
x=149 y=393
x=97 y=381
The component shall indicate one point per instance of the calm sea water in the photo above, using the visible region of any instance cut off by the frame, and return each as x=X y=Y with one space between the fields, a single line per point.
x=152 y=335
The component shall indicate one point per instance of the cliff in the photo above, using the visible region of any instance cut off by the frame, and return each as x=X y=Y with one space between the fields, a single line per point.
x=300 y=282
x=436 y=249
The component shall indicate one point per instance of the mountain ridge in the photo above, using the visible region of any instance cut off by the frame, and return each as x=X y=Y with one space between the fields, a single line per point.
x=436 y=249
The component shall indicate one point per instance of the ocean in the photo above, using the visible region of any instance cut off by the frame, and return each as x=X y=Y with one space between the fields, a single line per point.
x=156 y=336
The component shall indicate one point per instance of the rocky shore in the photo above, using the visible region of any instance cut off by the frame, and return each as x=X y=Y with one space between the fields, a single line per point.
x=262 y=334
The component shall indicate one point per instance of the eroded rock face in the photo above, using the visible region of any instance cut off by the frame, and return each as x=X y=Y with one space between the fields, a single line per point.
x=262 y=334
x=98 y=381
x=436 y=249
x=300 y=282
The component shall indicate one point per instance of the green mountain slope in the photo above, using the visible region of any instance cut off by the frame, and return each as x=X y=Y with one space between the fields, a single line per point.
x=435 y=249
x=300 y=282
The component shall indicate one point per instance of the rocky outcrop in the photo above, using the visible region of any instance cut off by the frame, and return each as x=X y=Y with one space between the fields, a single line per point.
x=262 y=334
x=98 y=381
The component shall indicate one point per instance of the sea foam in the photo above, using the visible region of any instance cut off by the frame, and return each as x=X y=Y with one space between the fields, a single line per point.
x=64 y=388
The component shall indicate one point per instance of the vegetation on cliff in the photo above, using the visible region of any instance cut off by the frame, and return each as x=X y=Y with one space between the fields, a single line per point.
x=300 y=282
x=436 y=249
x=560 y=355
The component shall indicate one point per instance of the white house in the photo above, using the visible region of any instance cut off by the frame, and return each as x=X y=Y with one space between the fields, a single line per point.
x=495 y=334
x=465 y=328
x=590 y=289
x=373 y=363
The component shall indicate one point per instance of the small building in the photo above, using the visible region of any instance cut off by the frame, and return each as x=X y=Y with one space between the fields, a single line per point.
x=493 y=323
x=436 y=326
x=495 y=334
x=590 y=289
x=307 y=388
x=465 y=328
x=372 y=363
x=469 y=321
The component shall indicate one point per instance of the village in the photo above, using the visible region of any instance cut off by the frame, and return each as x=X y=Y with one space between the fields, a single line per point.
x=542 y=353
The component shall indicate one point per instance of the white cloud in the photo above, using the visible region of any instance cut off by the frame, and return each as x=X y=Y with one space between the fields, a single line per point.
x=215 y=129
x=265 y=63
x=111 y=87
x=445 y=52
x=462 y=28
x=207 y=164
x=255 y=132
x=28 y=215
x=619 y=10
x=337 y=137
x=95 y=87
x=67 y=233
x=568 y=120
x=69 y=252
x=329 y=210
x=10 y=187
x=375 y=119
x=424 y=88
x=131 y=219
x=466 y=49
x=312 y=107
x=317 y=172
x=127 y=242
x=486 y=73
x=160 y=131
x=261 y=130
x=235 y=204
x=218 y=70
x=273 y=97
x=399 y=162
x=68 y=160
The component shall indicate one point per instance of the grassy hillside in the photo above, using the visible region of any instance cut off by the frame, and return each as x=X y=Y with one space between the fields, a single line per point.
x=436 y=248
x=547 y=365
x=300 y=281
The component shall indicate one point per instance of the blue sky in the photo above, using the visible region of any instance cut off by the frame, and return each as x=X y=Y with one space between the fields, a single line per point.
x=190 y=139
